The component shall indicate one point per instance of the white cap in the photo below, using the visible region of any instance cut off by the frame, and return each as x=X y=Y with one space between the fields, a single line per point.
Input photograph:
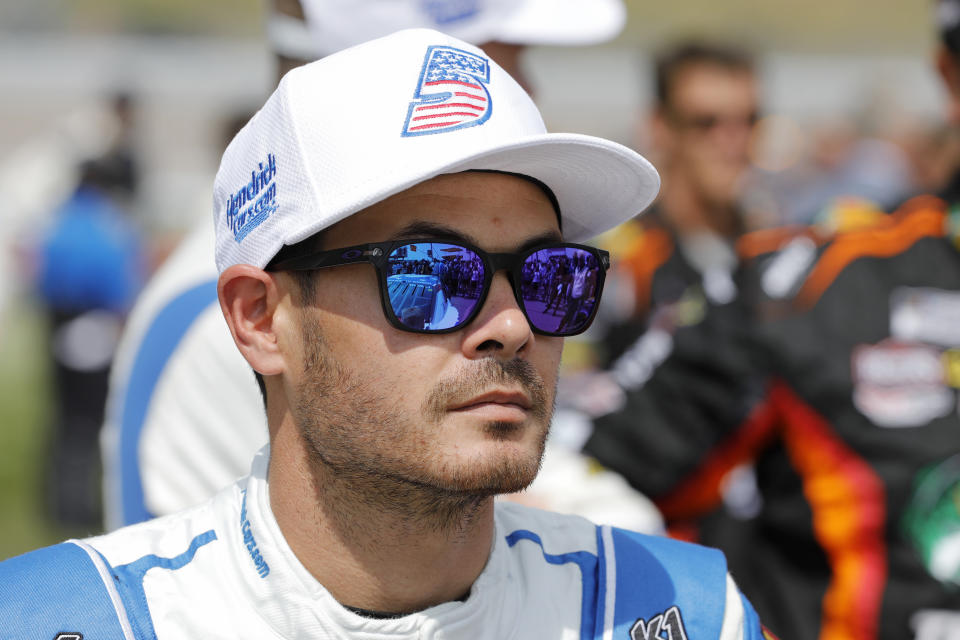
x=354 y=128
x=331 y=25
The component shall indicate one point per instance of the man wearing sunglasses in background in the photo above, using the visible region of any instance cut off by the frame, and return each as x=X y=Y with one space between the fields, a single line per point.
x=371 y=511
x=838 y=385
x=681 y=255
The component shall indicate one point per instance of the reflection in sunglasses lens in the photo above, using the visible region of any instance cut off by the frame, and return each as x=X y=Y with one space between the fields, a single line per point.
x=559 y=289
x=435 y=285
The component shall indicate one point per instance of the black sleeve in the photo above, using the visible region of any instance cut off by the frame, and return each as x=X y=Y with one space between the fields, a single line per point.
x=672 y=417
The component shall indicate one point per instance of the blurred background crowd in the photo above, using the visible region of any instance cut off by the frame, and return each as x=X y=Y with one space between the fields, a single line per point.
x=761 y=116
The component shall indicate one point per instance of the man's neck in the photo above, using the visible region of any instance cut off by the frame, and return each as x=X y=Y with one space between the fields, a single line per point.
x=686 y=212
x=365 y=546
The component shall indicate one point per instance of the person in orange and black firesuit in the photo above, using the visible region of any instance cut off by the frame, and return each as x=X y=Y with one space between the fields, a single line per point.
x=834 y=373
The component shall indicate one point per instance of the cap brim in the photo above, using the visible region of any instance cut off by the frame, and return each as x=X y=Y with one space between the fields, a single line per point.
x=599 y=184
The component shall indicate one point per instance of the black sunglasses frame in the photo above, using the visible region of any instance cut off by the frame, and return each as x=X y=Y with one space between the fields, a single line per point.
x=378 y=254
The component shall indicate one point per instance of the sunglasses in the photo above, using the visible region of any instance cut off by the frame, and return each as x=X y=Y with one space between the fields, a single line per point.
x=703 y=123
x=435 y=286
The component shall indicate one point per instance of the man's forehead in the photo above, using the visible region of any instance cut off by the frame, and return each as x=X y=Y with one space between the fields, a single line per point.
x=425 y=229
x=702 y=78
x=491 y=210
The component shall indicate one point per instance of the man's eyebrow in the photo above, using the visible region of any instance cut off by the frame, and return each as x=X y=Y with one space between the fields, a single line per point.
x=422 y=229
x=547 y=237
x=432 y=229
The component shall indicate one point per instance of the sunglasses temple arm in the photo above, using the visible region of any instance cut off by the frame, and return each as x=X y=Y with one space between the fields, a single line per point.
x=351 y=255
x=604 y=259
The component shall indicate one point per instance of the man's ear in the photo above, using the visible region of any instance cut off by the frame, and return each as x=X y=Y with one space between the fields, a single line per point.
x=249 y=298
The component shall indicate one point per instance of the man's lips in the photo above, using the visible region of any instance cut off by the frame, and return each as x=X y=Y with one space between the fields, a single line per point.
x=506 y=399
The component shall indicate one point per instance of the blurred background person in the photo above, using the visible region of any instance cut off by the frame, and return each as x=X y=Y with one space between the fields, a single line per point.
x=679 y=259
x=89 y=268
x=167 y=440
x=119 y=162
x=683 y=252
x=838 y=388
x=183 y=411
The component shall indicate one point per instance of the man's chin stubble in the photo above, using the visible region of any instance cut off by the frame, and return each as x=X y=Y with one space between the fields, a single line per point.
x=447 y=503
x=352 y=473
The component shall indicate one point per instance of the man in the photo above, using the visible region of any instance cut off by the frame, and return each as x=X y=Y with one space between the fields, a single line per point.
x=854 y=436
x=371 y=513
x=181 y=421
x=682 y=254
x=89 y=269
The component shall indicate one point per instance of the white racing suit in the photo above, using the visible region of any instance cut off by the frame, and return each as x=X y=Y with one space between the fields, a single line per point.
x=224 y=570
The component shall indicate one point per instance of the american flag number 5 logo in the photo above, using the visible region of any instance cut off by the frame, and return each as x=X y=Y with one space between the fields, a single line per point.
x=451 y=93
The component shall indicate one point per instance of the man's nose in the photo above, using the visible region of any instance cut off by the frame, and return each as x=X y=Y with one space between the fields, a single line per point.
x=500 y=329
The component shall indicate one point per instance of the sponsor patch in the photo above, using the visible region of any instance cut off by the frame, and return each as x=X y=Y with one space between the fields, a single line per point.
x=632 y=370
x=951 y=364
x=935 y=624
x=254 y=202
x=784 y=274
x=663 y=626
x=451 y=93
x=719 y=286
x=928 y=315
x=900 y=384
x=931 y=520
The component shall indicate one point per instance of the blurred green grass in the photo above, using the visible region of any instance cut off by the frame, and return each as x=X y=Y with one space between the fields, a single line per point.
x=24 y=432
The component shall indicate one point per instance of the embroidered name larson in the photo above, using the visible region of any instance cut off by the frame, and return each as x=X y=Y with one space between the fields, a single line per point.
x=262 y=567
x=254 y=202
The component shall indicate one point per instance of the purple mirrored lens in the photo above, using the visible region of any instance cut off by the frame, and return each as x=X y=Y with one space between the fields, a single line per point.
x=434 y=285
x=559 y=289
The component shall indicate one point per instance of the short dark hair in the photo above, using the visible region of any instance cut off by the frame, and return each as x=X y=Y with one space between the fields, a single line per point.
x=304 y=281
x=671 y=62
